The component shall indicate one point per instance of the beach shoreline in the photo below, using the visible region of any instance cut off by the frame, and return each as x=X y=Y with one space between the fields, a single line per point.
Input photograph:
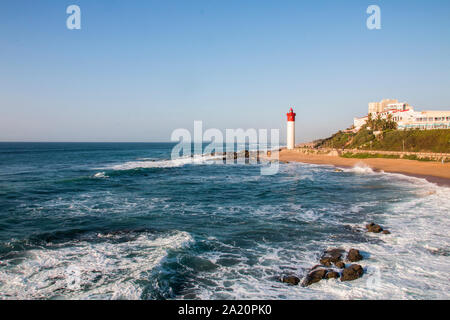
x=434 y=172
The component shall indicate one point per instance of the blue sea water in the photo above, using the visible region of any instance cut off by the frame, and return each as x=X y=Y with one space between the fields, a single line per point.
x=124 y=221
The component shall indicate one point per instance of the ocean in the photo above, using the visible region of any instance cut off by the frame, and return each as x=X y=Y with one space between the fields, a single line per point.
x=123 y=221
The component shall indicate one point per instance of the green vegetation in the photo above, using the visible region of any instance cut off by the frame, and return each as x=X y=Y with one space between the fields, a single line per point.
x=369 y=155
x=387 y=156
x=348 y=140
x=414 y=157
x=437 y=140
x=379 y=124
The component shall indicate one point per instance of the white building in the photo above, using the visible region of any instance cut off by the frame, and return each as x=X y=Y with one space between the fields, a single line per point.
x=427 y=120
x=405 y=116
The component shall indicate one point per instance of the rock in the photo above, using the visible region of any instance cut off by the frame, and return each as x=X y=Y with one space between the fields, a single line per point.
x=235 y=155
x=340 y=264
x=373 y=227
x=314 y=276
x=386 y=232
x=332 y=275
x=326 y=262
x=352 y=272
x=354 y=255
x=331 y=256
x=293 y=280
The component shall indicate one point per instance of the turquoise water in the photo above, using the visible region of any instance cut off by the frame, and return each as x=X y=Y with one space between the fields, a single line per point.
x=123 y=221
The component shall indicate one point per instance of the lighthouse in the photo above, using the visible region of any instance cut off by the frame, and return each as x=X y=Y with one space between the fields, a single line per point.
x=290 y=129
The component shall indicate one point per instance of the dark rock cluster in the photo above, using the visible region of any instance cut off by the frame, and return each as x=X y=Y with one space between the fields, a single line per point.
x=332 y=264
x=235 y=155
x=376 y=228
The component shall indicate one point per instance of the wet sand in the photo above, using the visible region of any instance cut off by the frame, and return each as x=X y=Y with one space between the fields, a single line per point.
x=435 y=172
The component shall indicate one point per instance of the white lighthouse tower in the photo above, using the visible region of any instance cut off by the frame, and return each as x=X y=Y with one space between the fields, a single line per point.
x=290 y=129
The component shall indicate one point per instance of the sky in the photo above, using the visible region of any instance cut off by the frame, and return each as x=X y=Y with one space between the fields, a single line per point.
x=137 y=70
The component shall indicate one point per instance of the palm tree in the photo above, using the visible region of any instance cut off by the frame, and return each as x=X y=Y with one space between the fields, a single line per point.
x=378 y=123
x=370 y=120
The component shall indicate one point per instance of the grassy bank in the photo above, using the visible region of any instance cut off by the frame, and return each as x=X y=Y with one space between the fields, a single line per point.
x=369 y=155
x=386 y=156
x=437 y=141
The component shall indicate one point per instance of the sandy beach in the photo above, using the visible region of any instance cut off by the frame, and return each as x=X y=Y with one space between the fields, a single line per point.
x=435 y=172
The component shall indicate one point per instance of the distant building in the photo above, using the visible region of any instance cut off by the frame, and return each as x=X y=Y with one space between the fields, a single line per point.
x=377 y=107
x=405 y=116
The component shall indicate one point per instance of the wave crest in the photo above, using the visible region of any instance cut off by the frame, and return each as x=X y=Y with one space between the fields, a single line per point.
x=103 y=267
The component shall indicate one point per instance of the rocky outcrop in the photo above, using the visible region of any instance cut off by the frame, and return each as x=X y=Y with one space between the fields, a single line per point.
x=354 y=255
x=373 y=227
x=325 y=262
x=332 y=260
x=314 y=276
x=331 y=256
x=332 y=275
x=352 y=272
x=376 y=228
x=293 y=280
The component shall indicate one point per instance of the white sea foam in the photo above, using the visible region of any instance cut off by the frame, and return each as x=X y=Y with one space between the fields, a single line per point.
x=412 y=262
x=165 y=163
x=170 y=163
x=100 y=175
x=88 y=269
x=360 y=168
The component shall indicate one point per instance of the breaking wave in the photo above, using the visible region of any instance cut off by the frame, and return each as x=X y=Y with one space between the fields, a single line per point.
x=59 y=236
x=142 y=164
x=360 y=168
x=103 y=266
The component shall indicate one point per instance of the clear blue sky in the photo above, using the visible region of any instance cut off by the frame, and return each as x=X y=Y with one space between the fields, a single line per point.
x=139 y=69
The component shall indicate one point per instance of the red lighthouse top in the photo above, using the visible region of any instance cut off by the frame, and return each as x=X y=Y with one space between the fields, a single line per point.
x=291 y=115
